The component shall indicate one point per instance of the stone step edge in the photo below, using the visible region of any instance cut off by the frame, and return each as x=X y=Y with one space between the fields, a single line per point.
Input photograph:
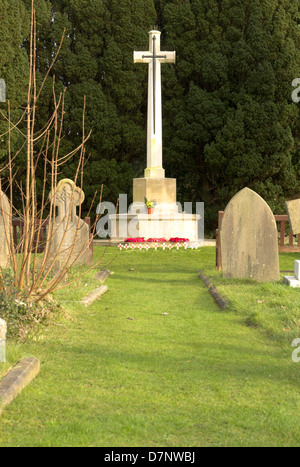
x=90 y=298
x=17 y=379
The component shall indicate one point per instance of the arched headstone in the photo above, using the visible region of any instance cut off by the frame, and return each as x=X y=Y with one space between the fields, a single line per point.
x=249 y=243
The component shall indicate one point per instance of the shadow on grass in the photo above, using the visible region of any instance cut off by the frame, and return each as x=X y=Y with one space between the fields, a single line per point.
x=216 y=360
x=134 y=277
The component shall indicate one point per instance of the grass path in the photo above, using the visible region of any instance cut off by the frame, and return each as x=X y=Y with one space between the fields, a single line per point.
x=123 y=373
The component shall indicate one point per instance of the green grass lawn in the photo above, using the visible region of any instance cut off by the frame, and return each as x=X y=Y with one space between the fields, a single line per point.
x=272 y=307
x=156 y=363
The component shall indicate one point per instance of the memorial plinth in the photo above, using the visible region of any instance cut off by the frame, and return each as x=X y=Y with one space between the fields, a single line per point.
x=160 y=225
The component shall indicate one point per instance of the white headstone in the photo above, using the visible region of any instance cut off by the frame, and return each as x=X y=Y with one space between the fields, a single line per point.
x=294 y=281
x=297 y=270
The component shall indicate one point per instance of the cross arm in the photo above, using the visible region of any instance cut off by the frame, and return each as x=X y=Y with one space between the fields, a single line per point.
x=139 y=57
x=168 y=57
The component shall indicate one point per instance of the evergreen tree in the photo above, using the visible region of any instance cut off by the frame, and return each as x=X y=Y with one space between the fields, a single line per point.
x=229 y=120
x=231 y=96
x=96 y=61
x=14 y=67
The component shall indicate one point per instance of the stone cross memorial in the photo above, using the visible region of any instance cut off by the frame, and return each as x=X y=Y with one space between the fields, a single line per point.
x=167 y=220
x=154 y=186
x=69 y=235
x=249 y=243
x=154 y=58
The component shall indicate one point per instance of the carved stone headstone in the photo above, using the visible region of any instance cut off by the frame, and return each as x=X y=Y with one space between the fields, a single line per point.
x=69 y=235
x=249 y=243
x=5 y=226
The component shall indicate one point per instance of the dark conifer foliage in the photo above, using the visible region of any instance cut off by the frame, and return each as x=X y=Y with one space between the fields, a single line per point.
x=229 y=120
x=235 y=121
x=14 y=63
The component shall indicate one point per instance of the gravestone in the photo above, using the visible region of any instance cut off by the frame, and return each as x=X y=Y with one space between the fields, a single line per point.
x=3 y=330
x=249 y=243
x=5 y=231
x=294 y=281
x=69 y=235
x=293 y=210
